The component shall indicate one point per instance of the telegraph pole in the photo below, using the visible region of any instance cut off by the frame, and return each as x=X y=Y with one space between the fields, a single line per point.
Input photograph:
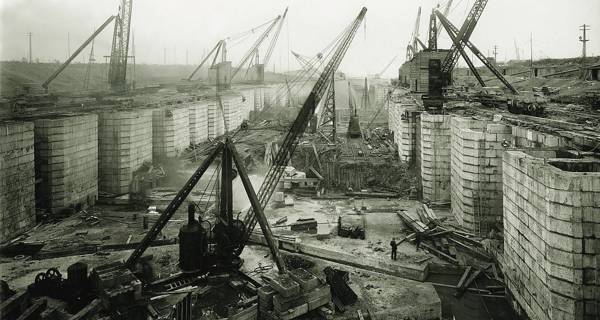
x=584 y=40
x=29 y=34
x=164 y=55
x=68 y=45
x=496 y=53
x=531 y=55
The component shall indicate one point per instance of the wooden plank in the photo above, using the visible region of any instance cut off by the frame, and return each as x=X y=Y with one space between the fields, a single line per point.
x=467 y=283
x=85 y=312
x=462 y=280
x=18 y=300
x=34 y=311
x=470 y=249
x=439 y=253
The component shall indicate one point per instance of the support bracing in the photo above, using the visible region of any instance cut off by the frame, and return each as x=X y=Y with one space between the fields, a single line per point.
x=452 y=29
x=327 y=125
x=457 y=43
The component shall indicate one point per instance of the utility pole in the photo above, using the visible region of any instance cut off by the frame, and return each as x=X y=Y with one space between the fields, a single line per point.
x=186 y=57
x=584 y=40
x=496 y=53
x=164 y=55
x=29 y=34
x=68 y=45
x=531 y=55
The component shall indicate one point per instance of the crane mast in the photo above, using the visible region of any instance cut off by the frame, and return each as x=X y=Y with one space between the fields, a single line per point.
x=267 y=57
x=412 y=46
x=292 y=138
x=117 y=73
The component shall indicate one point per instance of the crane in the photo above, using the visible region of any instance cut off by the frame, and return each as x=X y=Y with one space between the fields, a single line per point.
x=307 y=63
x=434 y=30
x=243 y=228
x=463 y=34
x=292 y=138
x=253 y=51
x=453 y=31
x=458 y=44
x=219 y=47
x=76 y=53
x=267 y=57
x=117 y=72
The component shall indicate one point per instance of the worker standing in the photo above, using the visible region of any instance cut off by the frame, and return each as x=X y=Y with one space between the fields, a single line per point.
x=418 y=240
x=394 y=246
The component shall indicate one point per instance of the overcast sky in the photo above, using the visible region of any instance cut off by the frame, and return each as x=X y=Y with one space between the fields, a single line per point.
x=195 y=26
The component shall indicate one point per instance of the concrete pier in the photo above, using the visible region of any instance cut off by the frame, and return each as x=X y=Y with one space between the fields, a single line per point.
x=477 y=148
x=66 y=160
x=170 y=131
x=124 y=144
x=17 y=178
x=551 y=234
x=435 y=157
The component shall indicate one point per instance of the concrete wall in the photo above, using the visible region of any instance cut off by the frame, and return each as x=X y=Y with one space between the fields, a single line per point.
x=232 y=111
x=216 y=124
x=17 y=178
x=198 y=121
x=551 y=234
x=170 y=131
x=124 y=144
x=66 y=160
x=476 y=173
x=435 y=157
x=529 y=138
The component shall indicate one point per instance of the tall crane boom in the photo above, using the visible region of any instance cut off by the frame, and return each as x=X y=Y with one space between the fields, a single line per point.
x=76 y=53
x=217 y=47
x=412 y=46
x=274 y=39
x=464 y=34
x=445 y=12
x=292 y=138
x=254 y=47
x=117 y=72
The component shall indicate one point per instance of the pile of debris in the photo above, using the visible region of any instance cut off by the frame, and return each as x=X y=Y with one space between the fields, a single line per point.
x=442 y=241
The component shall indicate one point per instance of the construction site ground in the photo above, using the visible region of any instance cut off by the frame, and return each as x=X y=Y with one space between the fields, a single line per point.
x=79 y=238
